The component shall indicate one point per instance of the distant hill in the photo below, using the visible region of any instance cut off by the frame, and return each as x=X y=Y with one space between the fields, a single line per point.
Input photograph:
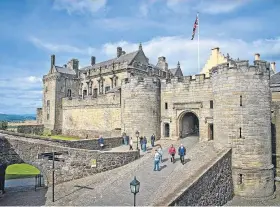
x=16 y=117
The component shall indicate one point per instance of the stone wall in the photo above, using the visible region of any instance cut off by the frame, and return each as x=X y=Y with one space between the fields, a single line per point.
x=186 y=95
x=78 y=162
x=92 y=117
x=31 y=129
x=90 y=144
x=39 y=116
x=214 y=187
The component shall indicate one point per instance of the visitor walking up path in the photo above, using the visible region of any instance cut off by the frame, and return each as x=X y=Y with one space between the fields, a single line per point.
x=112 y=187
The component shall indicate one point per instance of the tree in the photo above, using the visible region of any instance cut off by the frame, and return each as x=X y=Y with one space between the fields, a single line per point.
x=3 y=125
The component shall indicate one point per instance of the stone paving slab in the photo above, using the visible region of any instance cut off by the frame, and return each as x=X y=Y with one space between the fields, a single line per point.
x=112 y=187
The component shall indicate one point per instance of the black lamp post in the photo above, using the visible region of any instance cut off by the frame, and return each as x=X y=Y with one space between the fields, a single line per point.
x=137 y=136
x=134 y=187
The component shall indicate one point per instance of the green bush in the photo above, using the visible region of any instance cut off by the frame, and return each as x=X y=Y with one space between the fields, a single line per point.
x=3 y=125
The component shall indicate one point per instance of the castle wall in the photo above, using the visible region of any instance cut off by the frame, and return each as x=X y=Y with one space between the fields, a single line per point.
x=39 y=116
x=92 y=117
x=242 y=121
x=182 y=96
x=56 y=87
x=140 y=107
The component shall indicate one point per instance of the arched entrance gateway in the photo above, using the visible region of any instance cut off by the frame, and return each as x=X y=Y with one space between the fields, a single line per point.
x=188 y=125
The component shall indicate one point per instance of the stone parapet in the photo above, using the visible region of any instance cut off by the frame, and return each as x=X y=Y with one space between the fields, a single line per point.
x=30 y=129
x=78 y=163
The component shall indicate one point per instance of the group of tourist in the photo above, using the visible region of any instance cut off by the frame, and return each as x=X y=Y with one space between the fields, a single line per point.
x=172 y=152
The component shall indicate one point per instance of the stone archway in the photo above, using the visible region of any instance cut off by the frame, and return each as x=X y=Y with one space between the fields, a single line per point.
x=188 y=124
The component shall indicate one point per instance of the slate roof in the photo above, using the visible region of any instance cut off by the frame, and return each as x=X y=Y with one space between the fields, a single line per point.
x=275 y=79
x=65 y=70
x=173 y=70
x=123 y=58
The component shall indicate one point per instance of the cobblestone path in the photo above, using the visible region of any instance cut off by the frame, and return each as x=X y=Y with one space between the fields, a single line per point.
x=112 y=187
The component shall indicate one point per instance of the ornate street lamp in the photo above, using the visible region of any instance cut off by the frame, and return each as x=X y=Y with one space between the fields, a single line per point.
x=134 y=187
x=137 y=136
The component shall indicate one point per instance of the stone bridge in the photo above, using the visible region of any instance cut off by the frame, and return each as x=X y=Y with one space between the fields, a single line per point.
x=78 y=162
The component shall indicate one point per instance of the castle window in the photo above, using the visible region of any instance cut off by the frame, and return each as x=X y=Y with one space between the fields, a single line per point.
x=240 y=179
x=166 y=105
x=84 y=93
x=69 y=93
x=240 y=100
x=240 y=134
x=46 y=90
x=48 y=109
x=211 y=104
x=107 y=88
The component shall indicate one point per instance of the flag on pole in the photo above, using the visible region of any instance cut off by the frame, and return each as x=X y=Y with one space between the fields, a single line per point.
x=194 y=26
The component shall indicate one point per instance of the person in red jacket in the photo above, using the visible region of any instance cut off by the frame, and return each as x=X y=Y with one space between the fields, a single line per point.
x=172 y=152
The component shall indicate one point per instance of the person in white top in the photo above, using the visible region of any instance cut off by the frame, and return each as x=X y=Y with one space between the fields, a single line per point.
x=130 y=144
x=156 y=161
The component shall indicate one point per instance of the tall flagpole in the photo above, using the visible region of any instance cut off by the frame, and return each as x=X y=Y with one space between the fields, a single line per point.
x=198 y=24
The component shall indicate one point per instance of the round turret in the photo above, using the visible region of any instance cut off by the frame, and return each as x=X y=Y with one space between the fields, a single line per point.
x=242 y=121
x=140 y=103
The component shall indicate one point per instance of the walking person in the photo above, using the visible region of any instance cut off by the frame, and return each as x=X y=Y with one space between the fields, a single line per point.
x=3 y=168
x=141 y=143
x=160 y=151
x=144 y=144
x=172 y=152
x=153 y=138
x=130 y=144
x=101 y=142
x=124 y=139
x=156 y=161
x=182 y=153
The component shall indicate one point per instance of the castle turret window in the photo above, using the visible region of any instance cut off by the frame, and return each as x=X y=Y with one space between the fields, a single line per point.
x=166 y=105
x=240 y=179
x=69 y=93
x=240 y=133
x=211 y=104
x=48 y=109
x=240 y=100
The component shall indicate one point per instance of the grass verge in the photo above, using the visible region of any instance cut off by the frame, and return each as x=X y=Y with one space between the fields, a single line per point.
x=21 y=171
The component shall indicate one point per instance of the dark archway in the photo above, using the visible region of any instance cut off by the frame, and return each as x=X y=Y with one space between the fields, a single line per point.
x=166 y=130
x=189 y=125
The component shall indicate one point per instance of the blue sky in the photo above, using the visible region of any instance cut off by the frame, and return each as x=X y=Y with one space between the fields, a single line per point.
x=32 y=30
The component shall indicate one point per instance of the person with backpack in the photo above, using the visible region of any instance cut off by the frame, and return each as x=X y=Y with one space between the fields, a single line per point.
x=172 y=152
x=182 y=153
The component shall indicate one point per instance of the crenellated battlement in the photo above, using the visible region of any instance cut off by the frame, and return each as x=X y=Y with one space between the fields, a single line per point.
x=198 y=80
x=140 y=81
x=242 y=66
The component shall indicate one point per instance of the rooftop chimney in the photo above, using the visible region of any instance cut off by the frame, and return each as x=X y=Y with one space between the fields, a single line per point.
x=273 y=68
x=119 y=51
x=92 y=60
x=215 y=50
x=257 y=56
x=52 y=60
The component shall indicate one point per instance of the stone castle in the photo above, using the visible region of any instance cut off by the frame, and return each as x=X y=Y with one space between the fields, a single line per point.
x=229 y=103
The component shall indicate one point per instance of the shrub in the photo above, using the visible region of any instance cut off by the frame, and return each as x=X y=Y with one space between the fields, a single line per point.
x=3 y=125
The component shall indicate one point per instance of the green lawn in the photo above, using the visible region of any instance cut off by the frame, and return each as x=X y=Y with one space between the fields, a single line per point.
x=21 y=171
x=61 y=137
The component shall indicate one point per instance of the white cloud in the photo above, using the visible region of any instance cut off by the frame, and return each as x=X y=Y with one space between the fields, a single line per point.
x=79 y=6
x=60 y=47
x=220 y=6
x=178 y=48
x=144 y=9
x=33 y=79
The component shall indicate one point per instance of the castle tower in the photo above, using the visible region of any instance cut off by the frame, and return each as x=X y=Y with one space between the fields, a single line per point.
x=58 y=83
x=140 y=105
x=242 y=121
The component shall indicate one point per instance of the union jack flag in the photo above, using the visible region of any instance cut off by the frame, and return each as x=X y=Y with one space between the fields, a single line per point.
x=194 y=26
